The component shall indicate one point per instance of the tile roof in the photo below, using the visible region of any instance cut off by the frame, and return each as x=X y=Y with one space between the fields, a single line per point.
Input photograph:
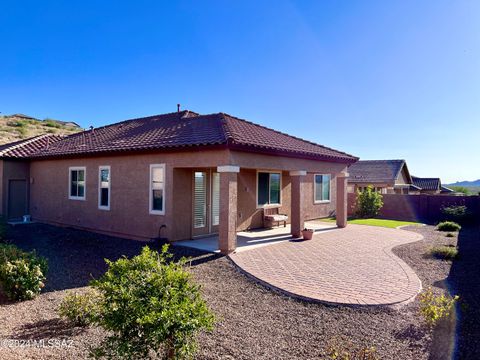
x=375 y=171
x=24 y=148
x=429 y=184
x=445 y=190
x=187 y=129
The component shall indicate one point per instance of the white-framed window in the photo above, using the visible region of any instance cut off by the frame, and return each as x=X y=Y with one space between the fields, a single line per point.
x=269 y=188
x=76 y=182
x=104 y=187
x=157 y=189
x=215 y=199
x=321 y=188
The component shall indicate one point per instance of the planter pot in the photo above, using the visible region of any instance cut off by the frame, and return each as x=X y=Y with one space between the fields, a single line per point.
x=307 y=234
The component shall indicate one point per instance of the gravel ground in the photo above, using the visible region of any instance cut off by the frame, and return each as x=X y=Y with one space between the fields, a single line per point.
x=253 y=323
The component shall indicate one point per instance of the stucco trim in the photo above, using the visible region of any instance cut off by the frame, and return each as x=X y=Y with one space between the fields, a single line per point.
x=298 y=173
x=228 y=169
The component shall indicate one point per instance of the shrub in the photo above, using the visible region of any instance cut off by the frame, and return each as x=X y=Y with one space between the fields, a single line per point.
x=445 y=252
x=457 y=213
x=448 y=226
x=22 y=274
x=150 y=305
x=337 y=350
x=80 y=309
x=435 y=307
x=369 y=202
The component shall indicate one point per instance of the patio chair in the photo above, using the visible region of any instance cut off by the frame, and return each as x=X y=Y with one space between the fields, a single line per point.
x=271 y=216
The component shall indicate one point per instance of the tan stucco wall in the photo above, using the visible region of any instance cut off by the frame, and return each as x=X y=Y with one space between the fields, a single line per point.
x=129 y=205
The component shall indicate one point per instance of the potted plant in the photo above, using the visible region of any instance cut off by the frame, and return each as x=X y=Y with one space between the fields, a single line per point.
x=307 y=234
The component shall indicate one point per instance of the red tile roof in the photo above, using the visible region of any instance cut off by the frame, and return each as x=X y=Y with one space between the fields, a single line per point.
x=188 y=129
x=25 y=148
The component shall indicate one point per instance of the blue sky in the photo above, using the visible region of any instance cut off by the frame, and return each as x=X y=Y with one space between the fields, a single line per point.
x=378 y=79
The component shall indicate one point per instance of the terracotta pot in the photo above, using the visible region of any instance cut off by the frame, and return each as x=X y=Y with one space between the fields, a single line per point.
x=307 y=234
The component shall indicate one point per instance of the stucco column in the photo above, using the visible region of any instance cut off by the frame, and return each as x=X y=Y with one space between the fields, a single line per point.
x=227 y=231
x=297 y=206
x=342 y=200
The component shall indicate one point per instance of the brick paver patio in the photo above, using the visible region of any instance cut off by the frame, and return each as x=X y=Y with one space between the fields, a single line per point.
x=354 y=266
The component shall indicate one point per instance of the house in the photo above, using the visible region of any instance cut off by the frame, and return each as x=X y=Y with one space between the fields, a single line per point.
x=183 y=175
x=386 y=176
x=430 y=186
x=23 y=116
x=15 y=173
x=66 y=123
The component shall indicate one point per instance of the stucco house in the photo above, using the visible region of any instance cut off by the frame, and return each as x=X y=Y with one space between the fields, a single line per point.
x=386 y=176
x=181 y=176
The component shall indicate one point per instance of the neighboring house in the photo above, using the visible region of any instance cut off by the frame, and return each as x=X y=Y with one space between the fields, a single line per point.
x=183 y=175
x=430 y=186
x=66 y=123
x=15 y=173
x=386 y=176
x=23 y=116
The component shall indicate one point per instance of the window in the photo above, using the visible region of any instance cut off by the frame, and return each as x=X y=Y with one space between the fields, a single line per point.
x=200 y=199
x=268 y=188
x=322 y=188
x=104 y=187
x=76 y=183
x=157 y=189
x=215 y=199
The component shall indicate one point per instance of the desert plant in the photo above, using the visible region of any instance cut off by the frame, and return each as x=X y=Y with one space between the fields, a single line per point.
x=80 y=309
x=435 y=307
x=448 y=226
x=457 y=213
x=445 y=252
x=150 y=305
x=22 y=274
x=369 y=202
x=344 y=350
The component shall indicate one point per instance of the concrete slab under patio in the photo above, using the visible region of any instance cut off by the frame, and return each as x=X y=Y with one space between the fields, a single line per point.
x=248 y=240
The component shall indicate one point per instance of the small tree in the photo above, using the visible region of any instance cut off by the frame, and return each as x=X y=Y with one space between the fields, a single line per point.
x=369 y=202
x=149 y=306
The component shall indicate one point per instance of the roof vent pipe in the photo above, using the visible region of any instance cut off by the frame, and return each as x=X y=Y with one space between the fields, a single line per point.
x=178 y=107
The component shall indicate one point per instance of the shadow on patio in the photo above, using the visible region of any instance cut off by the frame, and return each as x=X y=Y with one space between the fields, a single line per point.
x=247 y=240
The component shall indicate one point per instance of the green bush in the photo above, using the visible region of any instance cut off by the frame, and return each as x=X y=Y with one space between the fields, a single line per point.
x=80 y=309
x=150 y=305
x=369 y=202
x=448 y=226
x=22 y=274
x=434 y=307
x=456 y=213
x=445 y=252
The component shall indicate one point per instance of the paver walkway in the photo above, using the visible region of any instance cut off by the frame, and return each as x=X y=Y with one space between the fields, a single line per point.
x=354 y=266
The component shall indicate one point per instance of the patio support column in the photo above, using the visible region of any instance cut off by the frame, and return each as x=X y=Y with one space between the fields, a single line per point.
x=227 y=232
x=342 y=200
x=297 y=202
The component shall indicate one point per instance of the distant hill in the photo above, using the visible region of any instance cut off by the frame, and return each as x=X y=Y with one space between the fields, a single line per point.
x=19 y=126
x=465 y=183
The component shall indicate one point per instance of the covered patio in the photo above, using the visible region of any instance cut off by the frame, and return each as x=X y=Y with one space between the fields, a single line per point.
x=248 y=240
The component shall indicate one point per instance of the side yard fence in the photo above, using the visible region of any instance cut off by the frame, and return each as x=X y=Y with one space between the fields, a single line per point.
x=425 y=208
